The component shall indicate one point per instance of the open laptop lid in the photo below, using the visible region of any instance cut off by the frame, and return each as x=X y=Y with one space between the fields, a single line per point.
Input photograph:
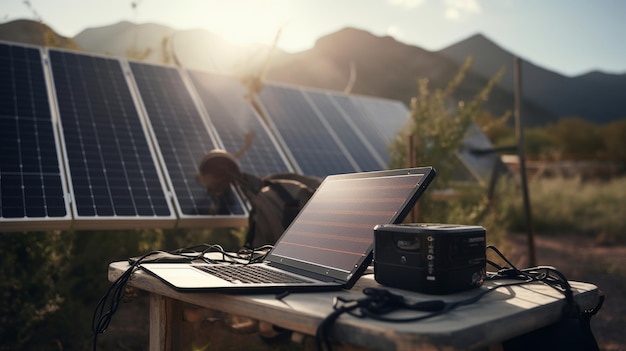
x=333 y=234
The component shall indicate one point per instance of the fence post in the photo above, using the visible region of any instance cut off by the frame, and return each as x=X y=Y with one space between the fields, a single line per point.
x=519 y=132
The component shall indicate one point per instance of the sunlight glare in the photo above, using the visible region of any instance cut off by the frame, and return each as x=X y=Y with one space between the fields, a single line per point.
x=248 y=22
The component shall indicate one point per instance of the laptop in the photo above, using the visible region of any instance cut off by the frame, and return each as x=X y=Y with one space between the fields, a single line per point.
x=327 y=246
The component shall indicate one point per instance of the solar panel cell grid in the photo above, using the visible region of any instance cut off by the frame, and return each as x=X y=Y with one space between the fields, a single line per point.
x=357 y=146
x=31 y=181
x=304 y=134
x=365 y=125
x=112 y=170
x=234 y=118
x=389 y=116
x=183 y=139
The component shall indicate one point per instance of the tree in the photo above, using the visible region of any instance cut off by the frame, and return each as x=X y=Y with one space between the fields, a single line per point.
x=614 y=137
x=576 y=136
x=497 y=130
x=31 y=267
x=438 y=125
x=540 y=143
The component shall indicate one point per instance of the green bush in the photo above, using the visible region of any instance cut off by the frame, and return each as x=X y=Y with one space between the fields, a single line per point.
x=52 y=281
x=437 y=127
x=31 y=269
x=467 y=205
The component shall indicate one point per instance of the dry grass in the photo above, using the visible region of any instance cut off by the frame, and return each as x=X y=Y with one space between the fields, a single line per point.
x=570 y=206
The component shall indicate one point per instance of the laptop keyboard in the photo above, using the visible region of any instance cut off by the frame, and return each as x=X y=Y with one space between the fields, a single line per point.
x=250 y=274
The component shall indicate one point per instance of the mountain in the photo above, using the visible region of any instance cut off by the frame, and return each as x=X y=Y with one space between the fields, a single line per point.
x=387 y=68
x=594 y=96
x=149 y=42
x=34 y=33
x=371 y=65
x=125 y=38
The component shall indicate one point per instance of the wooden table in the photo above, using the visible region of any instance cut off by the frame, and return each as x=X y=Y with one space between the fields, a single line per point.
x=499 y=316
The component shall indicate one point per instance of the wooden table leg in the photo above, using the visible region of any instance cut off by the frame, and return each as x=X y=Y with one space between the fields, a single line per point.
x=165 y=323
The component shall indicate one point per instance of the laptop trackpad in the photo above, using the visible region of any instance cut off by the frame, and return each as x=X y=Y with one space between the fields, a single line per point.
x=183 y=275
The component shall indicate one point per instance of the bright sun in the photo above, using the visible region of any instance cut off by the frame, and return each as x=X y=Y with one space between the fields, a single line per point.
x=253 y=23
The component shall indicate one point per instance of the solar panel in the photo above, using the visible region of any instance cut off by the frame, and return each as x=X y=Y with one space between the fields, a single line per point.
x=480 y=166
x=32 y=185
x=115 y=182
x=389 y=116
x=365 y=124
x=355 y=142
x=308 y=140
x=183 y=139
x=234 y=118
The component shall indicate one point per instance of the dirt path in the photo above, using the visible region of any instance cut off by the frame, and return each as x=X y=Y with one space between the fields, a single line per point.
x=582 y=259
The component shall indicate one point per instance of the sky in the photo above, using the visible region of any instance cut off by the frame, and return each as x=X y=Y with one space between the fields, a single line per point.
x=571 y=37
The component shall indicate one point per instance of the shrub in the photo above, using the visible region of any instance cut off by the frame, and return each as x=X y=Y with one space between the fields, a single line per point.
x=437 y=126
x=31 y=267
x=52 y=281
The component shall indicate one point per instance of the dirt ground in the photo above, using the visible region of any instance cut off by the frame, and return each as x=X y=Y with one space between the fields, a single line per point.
x=583 y=259
x=579 y=259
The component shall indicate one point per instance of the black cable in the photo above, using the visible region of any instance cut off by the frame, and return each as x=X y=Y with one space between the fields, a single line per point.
x=322 y=329
x=546 y=274
x=379 y=302
x=255 y=255
x=501 y=255
x=101 y=319
x=110 y=301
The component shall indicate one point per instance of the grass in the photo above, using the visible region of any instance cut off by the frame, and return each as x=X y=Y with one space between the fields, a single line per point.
x=570 y=206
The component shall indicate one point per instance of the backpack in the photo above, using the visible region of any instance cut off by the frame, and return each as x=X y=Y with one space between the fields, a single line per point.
x=275 y=199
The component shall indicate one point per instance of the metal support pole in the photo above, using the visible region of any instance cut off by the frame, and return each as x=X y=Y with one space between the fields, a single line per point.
x=411 y=161
x=519 y=131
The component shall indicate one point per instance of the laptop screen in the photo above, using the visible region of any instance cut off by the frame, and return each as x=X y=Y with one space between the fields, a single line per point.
x=333 y=234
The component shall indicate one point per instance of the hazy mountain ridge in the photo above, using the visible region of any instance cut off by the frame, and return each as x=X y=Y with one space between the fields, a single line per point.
x=387 y=68
x=33 y=33
x=194 y=48
x=595 y=95
x=382 y=67
x=118 y=39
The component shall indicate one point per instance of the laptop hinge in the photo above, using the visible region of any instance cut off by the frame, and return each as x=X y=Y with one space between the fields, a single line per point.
x=305 y=273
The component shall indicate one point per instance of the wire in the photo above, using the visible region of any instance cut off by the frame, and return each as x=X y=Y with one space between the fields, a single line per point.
x=546 y=274
x=379 y=302
x=110 y=301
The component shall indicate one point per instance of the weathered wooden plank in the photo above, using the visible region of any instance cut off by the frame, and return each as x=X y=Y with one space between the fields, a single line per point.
x=500 y=315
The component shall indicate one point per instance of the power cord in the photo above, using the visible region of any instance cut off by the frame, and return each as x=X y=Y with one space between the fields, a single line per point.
x=379 y=302
x=110 y=301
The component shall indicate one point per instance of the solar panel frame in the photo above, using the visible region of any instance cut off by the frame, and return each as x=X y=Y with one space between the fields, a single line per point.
x=50 y=193
x=147 y=191
x=179 y=174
